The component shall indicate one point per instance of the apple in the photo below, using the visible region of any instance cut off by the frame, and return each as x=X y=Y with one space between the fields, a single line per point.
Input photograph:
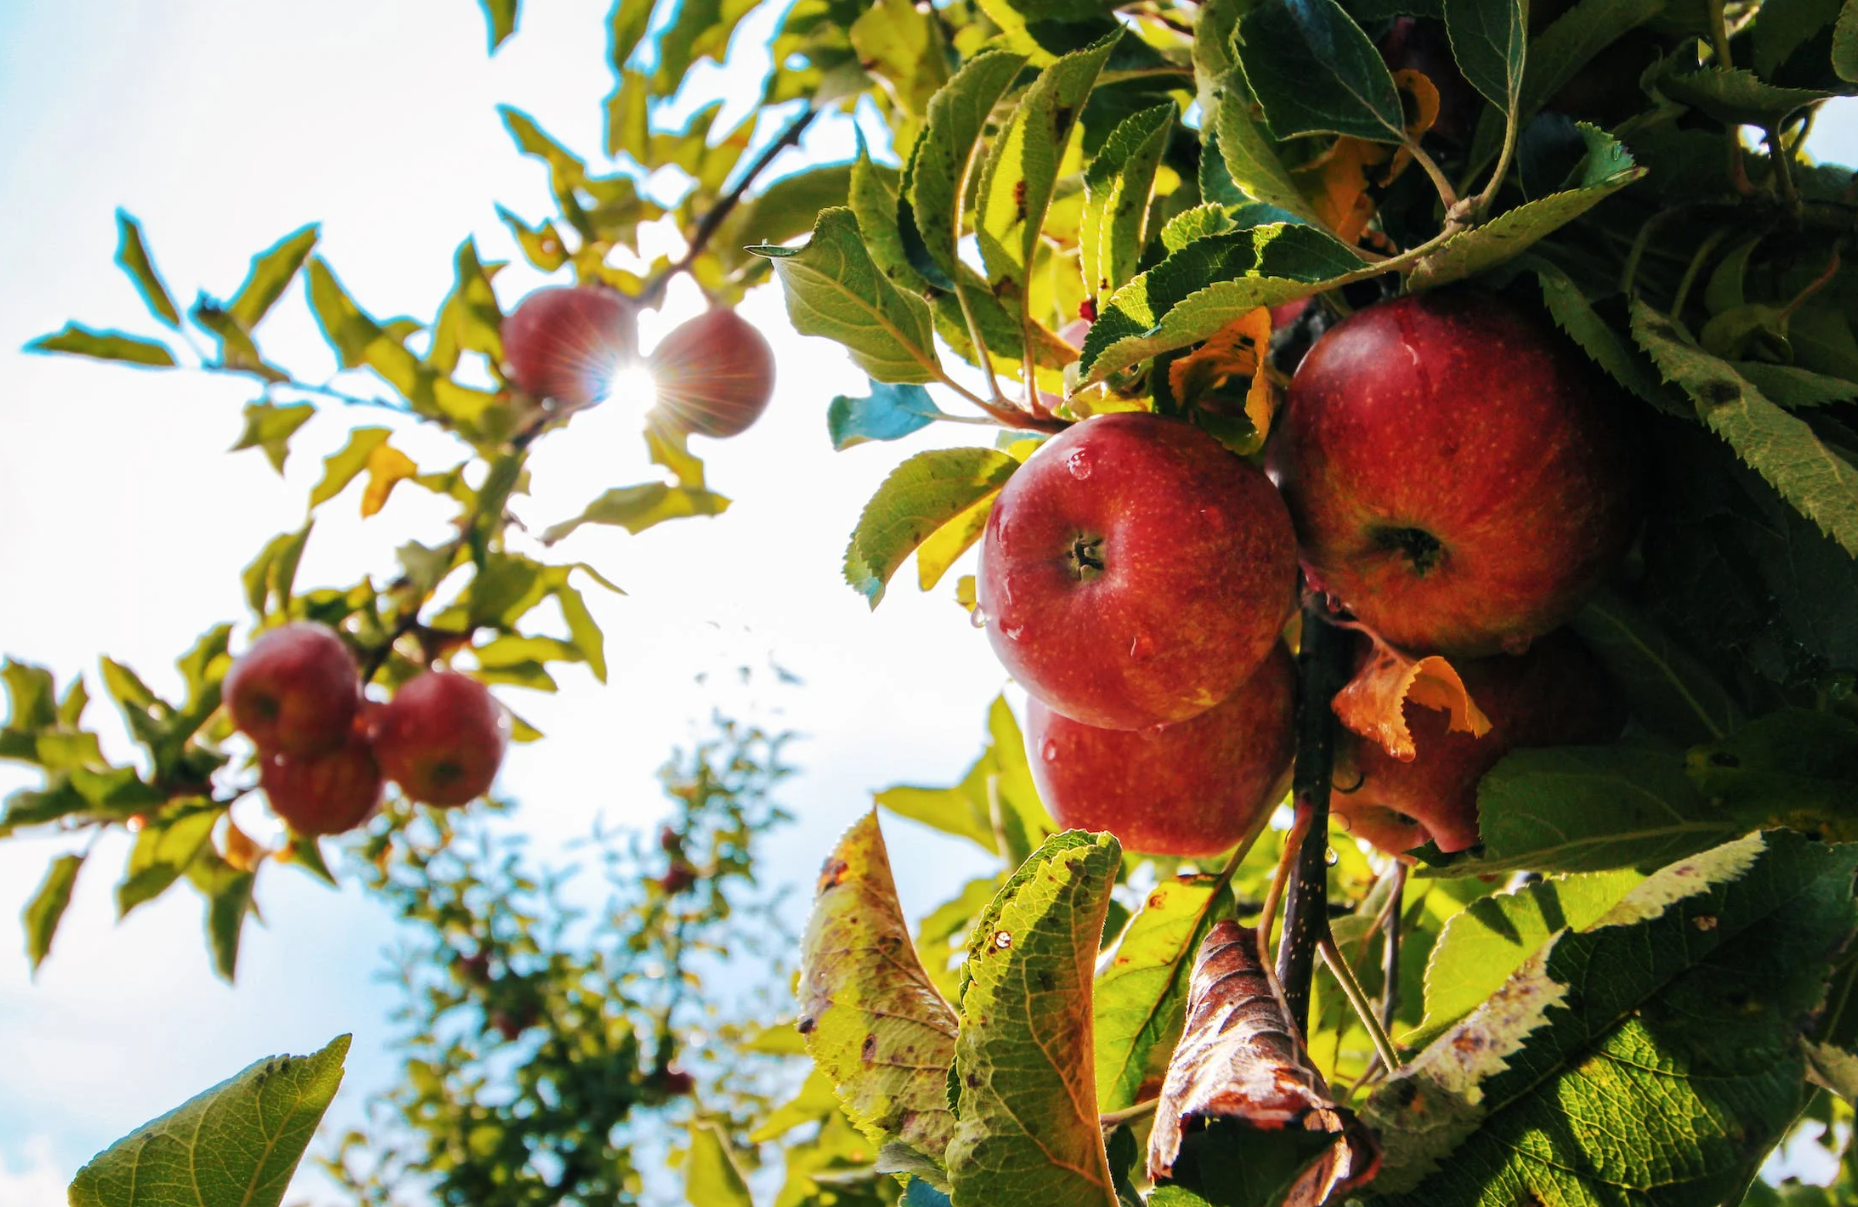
x=295 y=691
x=714 y=374
x=1134 y=573
x=1455 y=470
x=567 y=342
x=1554 y=695
x=1191 y=789
x=327 y=793
x=441 y=738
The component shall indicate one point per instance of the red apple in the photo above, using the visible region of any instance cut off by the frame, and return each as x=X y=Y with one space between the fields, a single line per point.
x=1455 y=471
x=1554 y=695
x=296 y=691
x=715 y=373
x=1134 y=573
x=1192 y=789
x=441 y=738
x=328 y=793
x=568 y=342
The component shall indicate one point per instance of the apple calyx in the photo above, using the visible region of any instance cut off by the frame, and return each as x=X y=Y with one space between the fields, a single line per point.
x=1422 y=550
x=1085 y=558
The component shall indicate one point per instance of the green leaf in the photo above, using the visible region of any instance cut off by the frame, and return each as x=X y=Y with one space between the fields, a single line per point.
x=228 y=893
x=941 y=549
x=1493 y=936
x=625 y=27
x=904 y=46
x=1783 y=26
x=1690 y=994
x=583 y=630
x=469 y=319
x=271 y=273
x=1614 y=353
x=1022 y=169
x=1313 y=71
x=236 y=1145
x=1117 y=188
x=1845 y=43
x=47 y=906
x=272 y=574
x=936 y=185
x=500 y=16
x=943 y=932
x=636 y=508
x=833 y=289
x=1795 y=388
x=1207 y=284
x=161 y=853
x=1734 y=97
x=346 y=463
x=133 y=258
x=1248 y=151
x=699 y=29
x=78 y=340
x=1607 y=169
x=1026 y=1102
x=1795 y=767
x=1141 y=994
x=888 y=413
x=270 y=427
x=919 y=496
x=1488 y=40
x=872 y=1018
x=711 y=1178
x=1819 y=483
x=31 y=697
x=1668 y=689
x=542 y=245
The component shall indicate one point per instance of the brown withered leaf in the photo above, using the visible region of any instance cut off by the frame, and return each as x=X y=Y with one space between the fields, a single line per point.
x=1235 y=350
x=1240 y=1061
x=1374 y=702
x=1338 y=180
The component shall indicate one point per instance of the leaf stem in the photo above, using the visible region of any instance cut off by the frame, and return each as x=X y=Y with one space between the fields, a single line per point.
x=1447 y=194
x=1695 y=266
x=1390 y=953
x=1482 y=202
x=1719 y=34
x=1111 y=1119
x=1351 y=989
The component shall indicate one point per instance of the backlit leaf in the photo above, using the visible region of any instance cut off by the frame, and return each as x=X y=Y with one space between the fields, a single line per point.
x=941 y=162
x=162 y=851
x=47 y=906
x=1117 y=188
x=711 y=1178
x=346 y=463
x=500 y=16
x=133 y=258
x=943 y=547
x=271 y=273
x=387 y=468
x=625 y=26
x=1374 y=701
x=228 y=893
x=919 y=497
x=78 y=340
x=636 y=508
x=270 y=427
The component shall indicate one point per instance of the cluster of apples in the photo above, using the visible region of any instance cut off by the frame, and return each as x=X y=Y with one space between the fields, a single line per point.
x=714 y=374
x=1448 y=469
x=325 y=751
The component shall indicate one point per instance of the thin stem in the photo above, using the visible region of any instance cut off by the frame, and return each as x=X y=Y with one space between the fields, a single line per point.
x=1481 y=204
x=1110 y=1119
x=1695 y=266
x=1390 y=953
x=1447 y=194
x=1719 y=34
x=1782 y=159
x=1274 y=896
x=1351 y=989
x=980 y=346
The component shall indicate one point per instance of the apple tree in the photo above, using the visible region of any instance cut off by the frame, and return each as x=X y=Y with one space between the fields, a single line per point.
x=1421 y=506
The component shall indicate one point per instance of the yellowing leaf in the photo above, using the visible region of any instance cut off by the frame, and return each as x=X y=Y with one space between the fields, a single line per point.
x=387 y=467
x=947 y=543
x=1337 y=182
x=1374 y=702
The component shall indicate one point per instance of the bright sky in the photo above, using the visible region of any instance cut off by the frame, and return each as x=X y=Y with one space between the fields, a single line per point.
x=224 y=124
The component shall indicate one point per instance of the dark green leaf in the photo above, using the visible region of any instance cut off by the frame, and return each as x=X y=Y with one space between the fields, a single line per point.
x=1795 y=388
x=1314 y=71
x=79 y=340
x=889 y=413
x=1668 y=689
x=636 y=508
x=1795 y=767
x=133 y=258
x=1612 y=351
x=1734 y=97
x=1488 y=39
x=47 y=906
x=919 y=496
x=270 y=427
x=272 y=574
x=1845 y=43
x=271 y=273
x=1783 y=26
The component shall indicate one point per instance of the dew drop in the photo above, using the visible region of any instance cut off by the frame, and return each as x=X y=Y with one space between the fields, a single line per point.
x=1079 y=465
x=1012 y=634
x=1049 y=752
x=1330 y=857
x=1141 y=645
x=977 y=618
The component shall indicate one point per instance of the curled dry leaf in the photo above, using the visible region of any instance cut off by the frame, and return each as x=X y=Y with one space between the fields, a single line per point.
x=1240 y=1060
x=1374 y=702
x=1235 y=350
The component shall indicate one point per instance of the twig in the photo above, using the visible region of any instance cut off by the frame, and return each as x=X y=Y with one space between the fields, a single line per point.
x=1110 y=1119
x=1351 y=989
x=1390 y=954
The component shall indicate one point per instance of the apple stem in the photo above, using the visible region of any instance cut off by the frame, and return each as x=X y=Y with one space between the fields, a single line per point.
x=1320 y=674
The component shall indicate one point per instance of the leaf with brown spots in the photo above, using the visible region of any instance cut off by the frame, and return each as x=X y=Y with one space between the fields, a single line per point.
x=1240 y=1061
x=1374 y=702
x=1235 y=350
x=872 y=1018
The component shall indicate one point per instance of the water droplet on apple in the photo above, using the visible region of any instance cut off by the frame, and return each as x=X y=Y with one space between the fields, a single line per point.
x=1012 y=634
x=977 y=618
x=1079 y=464
x=1141 y=645
x=1049 y=751
x=1154 y=731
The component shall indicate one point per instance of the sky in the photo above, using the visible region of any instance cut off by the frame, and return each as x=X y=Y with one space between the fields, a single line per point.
x=224 y=124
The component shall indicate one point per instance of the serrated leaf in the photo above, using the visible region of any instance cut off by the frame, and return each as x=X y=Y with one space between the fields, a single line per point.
x=919 y=496
x=387 y=467
x=271 y=273
x=1141 y=992
x=1373 y=703
x=235 y=1145
x=1795 y=767
x=1248 y=151
x=1795 y=388
x=936 y=184
x=1690 y=993
x=1117 y=188
x=161 y=853
x=1492 y=937
x=47 y=906
x=1488 y=39
x=1313 y=71
x=636 y=508
x=500 y=17
x=887 y=413
x=1819 y=483
x=1667 y=688
x=1613 y=352
x=943 y=547
x=270 y=427
x=1206 y=285
x=346 y=463
x=1026 y=1101
x=1734 y=96
x=133 y=258
x=873 y=1020
x=78 y=340
x=833 y=289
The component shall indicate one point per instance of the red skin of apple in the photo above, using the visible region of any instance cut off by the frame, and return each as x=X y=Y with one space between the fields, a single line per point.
x=295 y=691
x=566 y=342
x=328 y=793
x=715 y=373
x=1455 y=471
x=441 y=738
x=1192 y=789
x=1554 y=695
x=1134 y=573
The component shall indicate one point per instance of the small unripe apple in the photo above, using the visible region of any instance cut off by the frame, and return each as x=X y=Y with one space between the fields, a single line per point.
x=715 y=373
x=327 y=793
x=1134 y=573
x=441 y=738
x=295 y=691
x=1192 y=789
x=1554 y=695
x=1456 y=471
x=567 y=342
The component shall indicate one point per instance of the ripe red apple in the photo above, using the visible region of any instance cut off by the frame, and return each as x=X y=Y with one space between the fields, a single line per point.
x=1191 y=789
x=1455 y=471
x=1554 y=695
x=568 y=342
x=328 y=793
x=715 y=373
x=1134 y=573
x=295 y=691
x=441 y=738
